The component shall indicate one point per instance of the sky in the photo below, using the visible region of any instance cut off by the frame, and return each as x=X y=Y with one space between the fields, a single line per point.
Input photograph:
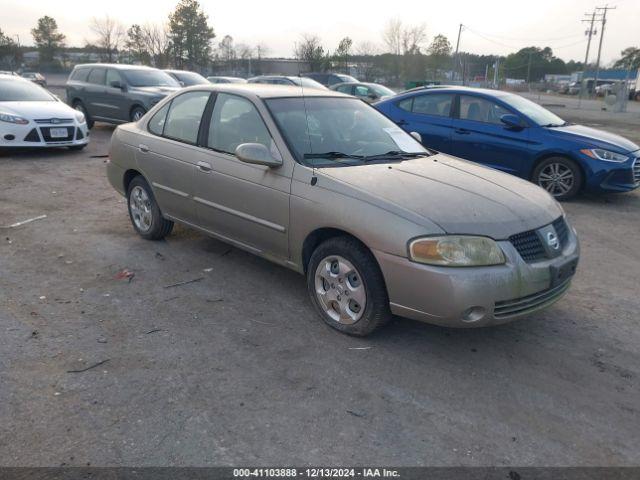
x=491 y=26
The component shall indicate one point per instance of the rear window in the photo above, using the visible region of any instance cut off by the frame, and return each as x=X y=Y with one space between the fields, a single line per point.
x=80 y=74
x=23 y=91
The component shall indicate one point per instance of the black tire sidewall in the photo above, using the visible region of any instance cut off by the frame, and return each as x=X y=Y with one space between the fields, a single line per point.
x=133 y=113
x=87 y=117
x=160 y=227
x=575 y=169
x=376 y=312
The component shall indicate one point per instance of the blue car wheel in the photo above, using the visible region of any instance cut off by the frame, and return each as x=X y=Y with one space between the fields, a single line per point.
x=559 y=176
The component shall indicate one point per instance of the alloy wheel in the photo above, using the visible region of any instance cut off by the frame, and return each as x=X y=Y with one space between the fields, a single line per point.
x=340 y=290
x=140 y=206
x=556 y=178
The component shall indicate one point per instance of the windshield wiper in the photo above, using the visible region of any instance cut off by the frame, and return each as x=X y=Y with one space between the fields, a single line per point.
x=395 y=154
x=332 y=155
x=551 y=125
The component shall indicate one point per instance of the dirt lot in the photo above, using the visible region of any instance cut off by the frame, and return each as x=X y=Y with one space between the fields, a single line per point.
x=237 y=369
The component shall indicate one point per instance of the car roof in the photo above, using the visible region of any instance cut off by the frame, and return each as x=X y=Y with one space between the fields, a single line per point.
x=454 y=89
x=117 y=66
x=260 y=90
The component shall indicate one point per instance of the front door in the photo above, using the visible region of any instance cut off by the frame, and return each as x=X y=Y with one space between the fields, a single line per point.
x=429 y=115
x=116 y=105
x=480 y=136
x=243 y=202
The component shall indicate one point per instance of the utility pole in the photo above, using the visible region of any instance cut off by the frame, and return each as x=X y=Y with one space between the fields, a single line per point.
x=456 y=54
x=529 y=72
x=604 y=22
x=589 y=33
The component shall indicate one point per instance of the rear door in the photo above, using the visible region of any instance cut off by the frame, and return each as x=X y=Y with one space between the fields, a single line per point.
x=480 y=136
x=240 y=201
x=168 y=153
x=429 y=114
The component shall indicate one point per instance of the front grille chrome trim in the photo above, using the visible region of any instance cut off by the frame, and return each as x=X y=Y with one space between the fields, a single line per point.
x=528 y=304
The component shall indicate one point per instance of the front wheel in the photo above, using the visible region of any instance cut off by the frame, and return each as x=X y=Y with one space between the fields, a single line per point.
x=144 y=212
x=559 y=176
x=79 y=106
x=347 y=288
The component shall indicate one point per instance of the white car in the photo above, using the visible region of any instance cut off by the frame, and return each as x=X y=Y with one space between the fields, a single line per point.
x=30 y=116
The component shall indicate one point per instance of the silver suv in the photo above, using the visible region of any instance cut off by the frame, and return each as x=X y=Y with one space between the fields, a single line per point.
x=117 y=93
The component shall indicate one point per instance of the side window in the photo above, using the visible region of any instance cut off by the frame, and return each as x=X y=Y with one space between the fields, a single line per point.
x=80 y=75
x=235 y=121
x=113 y=76
x=480 y=110
x=361 y=91
x=406 y=104
x=345 y=89
x=156 y=124
x=185 y=115
x=433 y=104
x=97 y=76
x=331 y=79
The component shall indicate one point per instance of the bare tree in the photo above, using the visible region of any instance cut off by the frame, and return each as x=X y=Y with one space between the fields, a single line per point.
x=310 y=50
x=366 y=51
x=110 y=34
x=413 y=38
x=158 y=43
x=392 y=36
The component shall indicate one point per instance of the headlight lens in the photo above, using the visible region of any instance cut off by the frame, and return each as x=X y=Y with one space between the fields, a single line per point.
x=7 y=117
x=80 y=117
x=606 y=155
x=456 y=251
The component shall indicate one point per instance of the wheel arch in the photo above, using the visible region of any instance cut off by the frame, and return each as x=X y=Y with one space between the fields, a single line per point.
x=128 y=176
x=546 y=155
x=322 y=234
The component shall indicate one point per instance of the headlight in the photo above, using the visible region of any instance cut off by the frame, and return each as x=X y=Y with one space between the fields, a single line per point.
x=456 y=251
x=6 y=117
x=606 y=155
x=80 y=117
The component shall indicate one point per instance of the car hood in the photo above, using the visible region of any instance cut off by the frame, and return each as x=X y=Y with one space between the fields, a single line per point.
x=594 y=137
x=156 y=90
x=33 y=110
x=459 y=196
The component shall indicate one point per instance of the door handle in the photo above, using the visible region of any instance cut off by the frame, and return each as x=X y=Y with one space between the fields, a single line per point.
x=462 y=131
x=204 y=167
x=143 y=148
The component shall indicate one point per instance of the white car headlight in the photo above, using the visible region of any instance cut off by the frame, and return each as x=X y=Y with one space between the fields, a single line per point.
x=456 y=251
x=80 y=117
x=9 y=118
x=606 y=155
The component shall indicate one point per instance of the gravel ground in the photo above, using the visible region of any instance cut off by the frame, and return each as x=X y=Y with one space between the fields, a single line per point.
x=236 y=368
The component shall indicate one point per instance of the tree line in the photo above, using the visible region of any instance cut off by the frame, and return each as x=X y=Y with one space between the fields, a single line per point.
x=187 y=41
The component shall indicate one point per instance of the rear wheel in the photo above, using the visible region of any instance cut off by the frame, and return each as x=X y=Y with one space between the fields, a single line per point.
x=347 y=287
x=144 y=212
x=79 y=106
x=559 y=176
x=137 y=113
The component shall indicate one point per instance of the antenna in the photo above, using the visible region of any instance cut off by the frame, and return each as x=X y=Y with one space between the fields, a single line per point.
x=314 y=179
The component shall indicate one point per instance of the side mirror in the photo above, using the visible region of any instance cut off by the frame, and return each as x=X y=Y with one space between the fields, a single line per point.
x=511 y=121
x=116 y=84
x=417 y=136
x=257 y=154
x=181 y=83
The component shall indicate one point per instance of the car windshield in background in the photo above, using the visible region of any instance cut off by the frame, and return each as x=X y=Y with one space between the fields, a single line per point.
x=149 y=78
x=346 y=78
x=23 y=91
x=190 y=78
x=535 y=112
x=382 y=91
x=307 y=82
x=330 y=131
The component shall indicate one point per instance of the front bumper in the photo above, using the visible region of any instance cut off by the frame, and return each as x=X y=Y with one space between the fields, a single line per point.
x=612 y=177
x=37 y=135
x=474 y=296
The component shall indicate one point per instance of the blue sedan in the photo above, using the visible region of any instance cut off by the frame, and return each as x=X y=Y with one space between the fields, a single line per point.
x=513 y=134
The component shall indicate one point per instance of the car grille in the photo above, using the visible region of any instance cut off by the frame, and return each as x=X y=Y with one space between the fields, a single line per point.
x=53 y=121
x=636 y=171
x=529 y=245
x=32 y=136
x=522 y=305
x=47 y=136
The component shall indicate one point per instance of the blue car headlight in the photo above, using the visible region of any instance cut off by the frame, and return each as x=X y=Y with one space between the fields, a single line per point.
x=605 y=155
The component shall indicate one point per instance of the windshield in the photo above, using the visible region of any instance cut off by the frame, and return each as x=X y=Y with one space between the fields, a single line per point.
x=149 y=78
x=339 y=131
x=191 y=78
x=381 y=90
x=307 y=82
x=23 y=91
x=535 y=112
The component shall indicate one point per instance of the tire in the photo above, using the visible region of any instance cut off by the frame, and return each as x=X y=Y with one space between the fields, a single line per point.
x=137 y=113
x=559 y=176
x=145 y=215
x=336 y=293
x=77 y=148
x=78 y=105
